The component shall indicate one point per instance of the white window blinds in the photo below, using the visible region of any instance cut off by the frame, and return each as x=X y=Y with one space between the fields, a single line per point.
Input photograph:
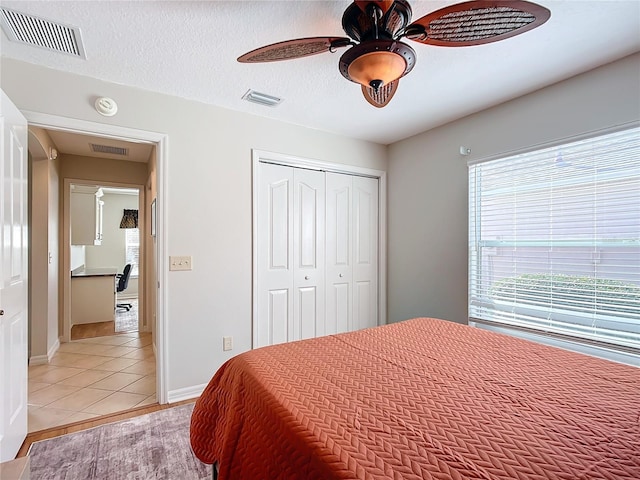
x=554 y=239
x=132 y=249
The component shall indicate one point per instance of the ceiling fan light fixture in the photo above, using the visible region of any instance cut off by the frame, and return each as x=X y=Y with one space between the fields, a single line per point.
x=377 y=68
x=377 y=62
x=378 y=58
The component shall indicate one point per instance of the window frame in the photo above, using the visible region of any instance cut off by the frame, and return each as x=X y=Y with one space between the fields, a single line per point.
x=549 y=334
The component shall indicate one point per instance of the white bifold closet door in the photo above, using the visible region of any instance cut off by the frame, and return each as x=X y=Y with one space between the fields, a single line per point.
x=351 y=253
x=317 y=253
x=290 y=253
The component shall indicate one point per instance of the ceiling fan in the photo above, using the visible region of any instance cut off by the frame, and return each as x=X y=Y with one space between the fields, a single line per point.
x=377 y=58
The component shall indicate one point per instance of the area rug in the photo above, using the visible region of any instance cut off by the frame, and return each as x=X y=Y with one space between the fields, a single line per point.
x=127 y=320
x=152 y=446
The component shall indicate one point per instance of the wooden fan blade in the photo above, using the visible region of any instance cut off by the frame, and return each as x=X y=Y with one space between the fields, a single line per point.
x=382 y=96
x=383 y=4
x=477 y=22
x=300 y=47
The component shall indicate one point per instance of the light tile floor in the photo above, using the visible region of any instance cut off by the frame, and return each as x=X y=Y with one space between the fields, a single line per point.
x=92 y=377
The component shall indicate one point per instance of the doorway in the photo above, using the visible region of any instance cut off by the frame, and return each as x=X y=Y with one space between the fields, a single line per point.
x=106 y=250
x=142 y=347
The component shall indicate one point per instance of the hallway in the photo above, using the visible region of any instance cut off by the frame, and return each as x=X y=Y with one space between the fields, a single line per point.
x=92 y=377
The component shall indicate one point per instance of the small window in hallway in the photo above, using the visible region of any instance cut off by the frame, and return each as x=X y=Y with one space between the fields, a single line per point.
x=132 y=251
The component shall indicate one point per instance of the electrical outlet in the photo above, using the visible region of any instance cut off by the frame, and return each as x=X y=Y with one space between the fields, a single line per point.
x=181 y=263
x=227 y=343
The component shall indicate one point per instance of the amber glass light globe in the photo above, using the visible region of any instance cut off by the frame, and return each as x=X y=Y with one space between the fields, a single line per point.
x=375 y=63
x=377 y=66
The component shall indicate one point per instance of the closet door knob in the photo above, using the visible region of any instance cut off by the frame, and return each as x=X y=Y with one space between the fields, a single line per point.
x=1 y=312
x=340 y=275
x=306 y=277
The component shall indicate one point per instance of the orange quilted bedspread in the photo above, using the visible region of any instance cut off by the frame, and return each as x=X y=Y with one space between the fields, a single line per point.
x=420 y=399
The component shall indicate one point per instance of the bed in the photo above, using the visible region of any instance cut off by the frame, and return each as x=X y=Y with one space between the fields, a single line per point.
x=419 y=399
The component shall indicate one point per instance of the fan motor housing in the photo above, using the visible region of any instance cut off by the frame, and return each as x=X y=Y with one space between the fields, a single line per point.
x=402 y=50
x=361 y=25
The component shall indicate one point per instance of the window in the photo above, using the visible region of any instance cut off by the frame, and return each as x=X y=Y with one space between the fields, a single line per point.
x=132 y=249
x=554 y=240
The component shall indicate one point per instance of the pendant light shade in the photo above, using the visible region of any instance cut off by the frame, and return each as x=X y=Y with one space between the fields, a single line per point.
x=129 y=219
x=377 y=62
x=377 y=68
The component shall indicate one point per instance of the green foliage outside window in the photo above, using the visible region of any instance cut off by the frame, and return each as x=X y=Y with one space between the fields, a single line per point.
x=573 y=292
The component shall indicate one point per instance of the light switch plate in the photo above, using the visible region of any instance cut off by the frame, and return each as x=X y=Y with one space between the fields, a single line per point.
x=227 y=343
x=181 y=263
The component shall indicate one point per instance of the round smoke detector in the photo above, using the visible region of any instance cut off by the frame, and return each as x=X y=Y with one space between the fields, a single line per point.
x=106 y=106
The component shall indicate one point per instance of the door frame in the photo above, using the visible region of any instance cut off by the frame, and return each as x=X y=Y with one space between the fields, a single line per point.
x=262 y=156
x=72 y=125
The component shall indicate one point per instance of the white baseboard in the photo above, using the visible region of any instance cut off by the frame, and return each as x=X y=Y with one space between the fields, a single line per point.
x=185 y=393
x=38 y=360
x=45 y=359
x=54 y=348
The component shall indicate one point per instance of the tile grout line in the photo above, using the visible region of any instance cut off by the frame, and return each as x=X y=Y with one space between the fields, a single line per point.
x=139 y=346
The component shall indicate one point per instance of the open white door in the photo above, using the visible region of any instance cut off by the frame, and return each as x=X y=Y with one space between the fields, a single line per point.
x=13 y=279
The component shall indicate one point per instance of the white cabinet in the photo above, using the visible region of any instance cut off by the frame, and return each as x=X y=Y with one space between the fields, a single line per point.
x=99 y=216
x=86 y=217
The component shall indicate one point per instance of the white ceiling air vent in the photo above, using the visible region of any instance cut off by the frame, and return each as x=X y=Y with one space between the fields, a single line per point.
x=38 y=32
x=261 y=98
x=109 y=149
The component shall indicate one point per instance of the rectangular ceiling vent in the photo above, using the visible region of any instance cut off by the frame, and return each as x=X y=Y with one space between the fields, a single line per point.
x=109 y=149
x=261 y=98
x=38 y=32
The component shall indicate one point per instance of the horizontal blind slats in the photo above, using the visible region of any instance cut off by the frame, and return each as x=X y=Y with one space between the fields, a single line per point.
x=554 y=239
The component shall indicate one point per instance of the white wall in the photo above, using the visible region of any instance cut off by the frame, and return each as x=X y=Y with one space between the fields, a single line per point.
x=427 y=239
x=78 y=256
x=208 y=201
x=111 y=253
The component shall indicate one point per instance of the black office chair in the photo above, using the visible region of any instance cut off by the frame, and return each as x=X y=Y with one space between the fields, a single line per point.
x=123 y=281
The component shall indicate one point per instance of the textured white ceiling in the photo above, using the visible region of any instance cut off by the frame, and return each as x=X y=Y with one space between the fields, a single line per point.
x=189 y=49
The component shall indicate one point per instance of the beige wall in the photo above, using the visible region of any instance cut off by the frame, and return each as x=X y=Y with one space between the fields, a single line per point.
x=43 y=254
x=150 y=279
x=101 y=170
x=207 y=200
x=427 y=209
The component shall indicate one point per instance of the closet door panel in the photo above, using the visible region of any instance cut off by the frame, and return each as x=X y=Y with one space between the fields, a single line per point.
x=365 y=253
x=307 y=314
x=339 y=261
x=363 y=296
x=339 y=317
x=309 y=256
x=274 y=255
x=277 y=317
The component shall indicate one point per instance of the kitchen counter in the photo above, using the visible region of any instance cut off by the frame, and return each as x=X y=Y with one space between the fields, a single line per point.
x=93 y=295
x=94 y=272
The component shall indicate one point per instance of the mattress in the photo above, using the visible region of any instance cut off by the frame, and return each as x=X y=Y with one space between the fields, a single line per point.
x=419 y=399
